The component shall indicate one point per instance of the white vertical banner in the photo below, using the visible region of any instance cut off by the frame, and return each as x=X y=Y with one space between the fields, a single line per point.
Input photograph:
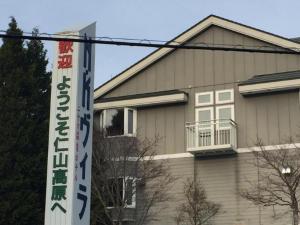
x=68 y=194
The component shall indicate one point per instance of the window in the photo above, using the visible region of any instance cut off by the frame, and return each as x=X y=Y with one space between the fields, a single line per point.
x=214 y=117
x=115 y=192
x=204 y=98
x=224 y=96
x=130 y=121
x=204 y=116
x=224 y=114
x=121 y=191
x=117 y=122
x=114 y=122
x=220 y=110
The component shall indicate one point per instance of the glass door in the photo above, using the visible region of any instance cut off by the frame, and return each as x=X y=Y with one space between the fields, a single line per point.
x=204 y=126
x=224 y=115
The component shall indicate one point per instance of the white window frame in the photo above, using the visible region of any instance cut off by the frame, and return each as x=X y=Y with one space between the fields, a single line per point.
x=126 y=133
x=134 y=122
x=211 y=95
x=231 y=106
x=218 y=101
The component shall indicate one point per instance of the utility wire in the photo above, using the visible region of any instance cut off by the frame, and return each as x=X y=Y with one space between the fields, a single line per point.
x=155 y=41
x=172 y=45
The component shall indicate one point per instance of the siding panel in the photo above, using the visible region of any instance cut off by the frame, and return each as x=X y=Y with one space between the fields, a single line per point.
x=294 y=110
x=272 y=117
x=170 y=73
x=262 y=120
x=179 y=69
x=170 y=127
x=273 y=121
x=200 y=70
x=284 y=117
x=179 y=130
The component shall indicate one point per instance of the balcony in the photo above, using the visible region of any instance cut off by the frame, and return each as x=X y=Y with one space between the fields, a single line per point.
x=213 y=137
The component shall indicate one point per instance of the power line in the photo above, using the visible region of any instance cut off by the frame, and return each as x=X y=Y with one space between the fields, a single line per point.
x=172 y=45
x=101 y=37
x=155 y=41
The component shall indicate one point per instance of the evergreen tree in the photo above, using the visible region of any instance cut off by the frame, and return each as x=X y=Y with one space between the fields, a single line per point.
x=24 y=113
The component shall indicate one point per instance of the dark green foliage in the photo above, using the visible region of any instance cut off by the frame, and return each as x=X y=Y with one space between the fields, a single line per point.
x=24 y=113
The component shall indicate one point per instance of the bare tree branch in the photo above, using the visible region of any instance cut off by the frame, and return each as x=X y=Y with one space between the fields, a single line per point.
x=124 y=167
x=275 y=186
x=196 y=210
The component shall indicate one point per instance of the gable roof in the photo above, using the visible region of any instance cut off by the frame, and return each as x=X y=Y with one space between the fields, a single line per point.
x=189 y=34
x=297 y=39
x=273 y=77
x=144 y=95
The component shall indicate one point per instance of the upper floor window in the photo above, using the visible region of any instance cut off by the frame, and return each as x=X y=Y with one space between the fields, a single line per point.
x=224 y=96
x=118 y=122
x=204 y=98
x=224 y=114
x=221 y=108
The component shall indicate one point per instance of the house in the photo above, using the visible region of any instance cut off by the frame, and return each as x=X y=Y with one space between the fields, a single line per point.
x=210 y=106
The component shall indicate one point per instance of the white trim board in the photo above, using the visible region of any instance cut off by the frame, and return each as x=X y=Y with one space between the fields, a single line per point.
x=172 y=156
x=269 y=86
x=239 y=150
x=146 y=101
x=269 y=148
x=211 y=20
x=158 y=157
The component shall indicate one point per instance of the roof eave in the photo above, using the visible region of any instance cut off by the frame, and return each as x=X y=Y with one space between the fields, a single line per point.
x=187 y=35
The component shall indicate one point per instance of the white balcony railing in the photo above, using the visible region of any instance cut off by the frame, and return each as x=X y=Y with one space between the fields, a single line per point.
x=211 y=135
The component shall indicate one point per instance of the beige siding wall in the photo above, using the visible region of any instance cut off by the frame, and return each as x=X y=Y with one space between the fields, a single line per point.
x=167 y=123
x=271 y=117
x=201 y=68
x=223 y=179
x=183 y=169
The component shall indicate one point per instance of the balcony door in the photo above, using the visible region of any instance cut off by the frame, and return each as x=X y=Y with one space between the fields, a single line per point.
x=205 y=126
x=224 y=118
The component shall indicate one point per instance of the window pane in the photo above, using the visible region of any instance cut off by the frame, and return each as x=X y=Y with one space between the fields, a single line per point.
x=204 y=130
x=204 y=99
x=204 y=118
x=225 y=96
x=225 y=113
x=115 y=192
x=129 y=191
x=120 y=191
x=114 y=122
x=224 y=116
x=204 y=115
x=130 y=121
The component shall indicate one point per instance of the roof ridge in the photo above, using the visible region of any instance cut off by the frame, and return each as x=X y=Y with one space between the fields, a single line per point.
x=187 y=35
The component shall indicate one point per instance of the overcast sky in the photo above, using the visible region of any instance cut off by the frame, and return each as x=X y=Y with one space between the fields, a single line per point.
x=152 y=19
